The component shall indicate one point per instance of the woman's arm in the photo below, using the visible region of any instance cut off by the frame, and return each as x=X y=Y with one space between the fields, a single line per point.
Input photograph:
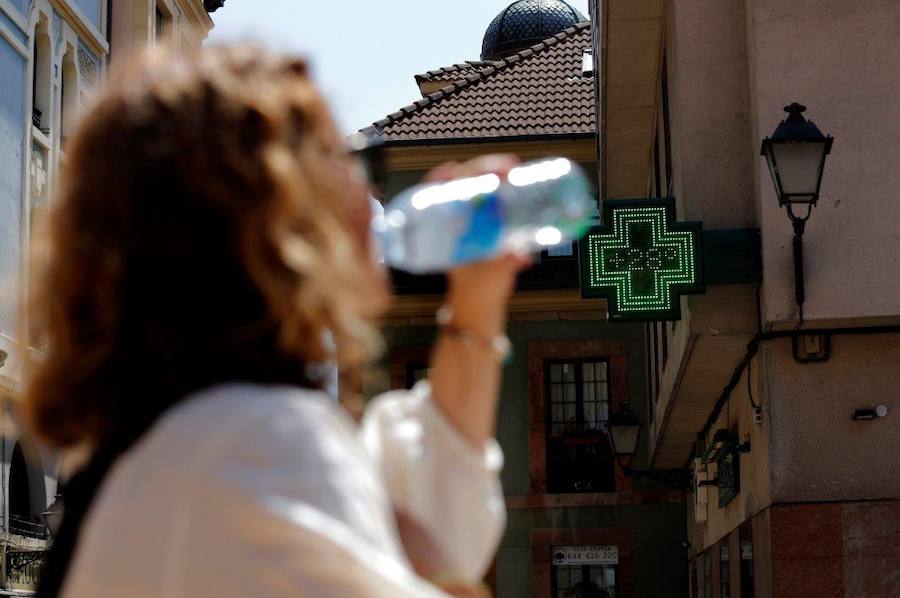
x=465 y=368
x=434 y=443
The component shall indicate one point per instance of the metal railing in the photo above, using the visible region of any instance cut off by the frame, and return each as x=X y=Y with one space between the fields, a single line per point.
x=29 y=529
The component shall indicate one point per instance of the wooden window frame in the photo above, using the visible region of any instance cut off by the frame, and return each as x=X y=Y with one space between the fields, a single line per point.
x=539 y=352
x=579 y=384
x=543 y=540
x=579 y=409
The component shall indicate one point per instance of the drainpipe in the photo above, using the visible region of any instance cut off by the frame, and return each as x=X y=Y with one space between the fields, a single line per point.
x=597 y=11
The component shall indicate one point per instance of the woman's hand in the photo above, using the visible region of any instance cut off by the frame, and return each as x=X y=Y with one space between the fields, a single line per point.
x=465 y=376
x=479 y=292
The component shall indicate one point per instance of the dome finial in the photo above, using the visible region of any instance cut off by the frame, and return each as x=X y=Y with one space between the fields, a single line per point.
x=525 y=23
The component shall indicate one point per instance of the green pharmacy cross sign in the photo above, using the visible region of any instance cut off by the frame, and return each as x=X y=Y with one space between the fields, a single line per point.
x=642 y=260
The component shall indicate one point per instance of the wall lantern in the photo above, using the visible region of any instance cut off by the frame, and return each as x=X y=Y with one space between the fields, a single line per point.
x=624 y=432
x=720 y=442
x=624 y=435
x=866 y=414
x=796 y=154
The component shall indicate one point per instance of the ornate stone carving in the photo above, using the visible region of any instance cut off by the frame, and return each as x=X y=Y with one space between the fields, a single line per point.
x=57 y=31
x=87 y=65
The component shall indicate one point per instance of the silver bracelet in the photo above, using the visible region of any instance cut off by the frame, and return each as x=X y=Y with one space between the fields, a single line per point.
x=500 y=344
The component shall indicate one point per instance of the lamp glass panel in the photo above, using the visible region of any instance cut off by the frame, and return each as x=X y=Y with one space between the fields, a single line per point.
x=772 y=171
x=625 y=439
x=798 y=168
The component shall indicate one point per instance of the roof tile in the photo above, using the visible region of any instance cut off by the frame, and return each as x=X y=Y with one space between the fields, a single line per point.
x=538 y=91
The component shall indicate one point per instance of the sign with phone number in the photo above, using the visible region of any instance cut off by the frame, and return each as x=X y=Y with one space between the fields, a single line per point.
x=585 y=555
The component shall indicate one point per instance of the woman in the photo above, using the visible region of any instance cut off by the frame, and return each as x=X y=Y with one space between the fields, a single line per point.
x=211 y=231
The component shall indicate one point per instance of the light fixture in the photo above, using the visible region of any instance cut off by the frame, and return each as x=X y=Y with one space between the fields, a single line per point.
x=720 y=442
x=723 y=441
x=624 y=432
x=624 y=435
x=866 y=414
x=587 y=63
x=796 y=154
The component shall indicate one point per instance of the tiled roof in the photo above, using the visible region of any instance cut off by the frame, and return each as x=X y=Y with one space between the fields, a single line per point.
x=456 y=72
x=538 y=91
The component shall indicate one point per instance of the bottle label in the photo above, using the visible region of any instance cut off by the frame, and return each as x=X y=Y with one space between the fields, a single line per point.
x=482 y=237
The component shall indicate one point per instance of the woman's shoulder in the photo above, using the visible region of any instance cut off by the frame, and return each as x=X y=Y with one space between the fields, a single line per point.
x=254 y=420
x=217 y=464
x=248 y=403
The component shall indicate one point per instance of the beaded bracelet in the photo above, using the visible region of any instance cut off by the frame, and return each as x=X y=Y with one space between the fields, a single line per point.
x=499 y=345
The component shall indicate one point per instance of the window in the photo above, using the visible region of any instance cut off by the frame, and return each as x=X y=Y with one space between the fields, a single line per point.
x=40 y=83
x=695 y=588
x=583 y=562
x=667 y=138
x=654 y=334
x=161 y=23
x=657 y=184
x=747 y=585
x=19 y=487
x=584 y=581
x=724 y=570
x=69 y=95
x=579 y=458
x=664 y=337
x=707 y=575
x=25 y=506
x=651 y=397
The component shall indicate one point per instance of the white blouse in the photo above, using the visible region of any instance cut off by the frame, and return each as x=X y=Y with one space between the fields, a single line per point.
x=270 y=491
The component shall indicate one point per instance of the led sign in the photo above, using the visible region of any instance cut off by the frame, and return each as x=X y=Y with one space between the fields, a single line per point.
x=642 y=260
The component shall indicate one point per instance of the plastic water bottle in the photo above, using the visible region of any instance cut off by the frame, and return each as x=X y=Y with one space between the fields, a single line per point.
x=433 y=227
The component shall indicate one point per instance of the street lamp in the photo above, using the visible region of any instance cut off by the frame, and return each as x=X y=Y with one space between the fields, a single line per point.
x=624 y=433
x=796 y=154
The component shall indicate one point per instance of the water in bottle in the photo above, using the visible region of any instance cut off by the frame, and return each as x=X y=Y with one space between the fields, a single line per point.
x=433 y=227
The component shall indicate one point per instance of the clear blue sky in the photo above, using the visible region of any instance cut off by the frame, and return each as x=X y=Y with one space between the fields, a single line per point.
x=366 y=52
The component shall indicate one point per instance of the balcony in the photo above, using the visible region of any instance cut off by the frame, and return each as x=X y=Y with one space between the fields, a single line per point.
x=29 y=529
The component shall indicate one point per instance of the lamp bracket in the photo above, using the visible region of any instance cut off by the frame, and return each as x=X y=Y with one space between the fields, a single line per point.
x=799 y=221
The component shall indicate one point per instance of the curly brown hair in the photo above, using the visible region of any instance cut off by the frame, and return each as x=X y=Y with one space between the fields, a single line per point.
x=204 y=233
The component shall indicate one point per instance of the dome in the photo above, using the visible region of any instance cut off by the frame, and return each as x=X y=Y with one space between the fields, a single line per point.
x=525 y=23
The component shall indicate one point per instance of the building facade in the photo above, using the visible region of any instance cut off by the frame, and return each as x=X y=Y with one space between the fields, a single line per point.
x=578 y=526
x=771 y=405
x=52 y=54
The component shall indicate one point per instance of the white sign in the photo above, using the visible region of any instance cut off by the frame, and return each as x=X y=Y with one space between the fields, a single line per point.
x=701 y=493
x=585 y=555
x=746 y=550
